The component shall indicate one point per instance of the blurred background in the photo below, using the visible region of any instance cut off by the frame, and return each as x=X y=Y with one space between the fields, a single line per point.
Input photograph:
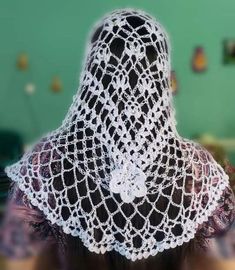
x=42 y=45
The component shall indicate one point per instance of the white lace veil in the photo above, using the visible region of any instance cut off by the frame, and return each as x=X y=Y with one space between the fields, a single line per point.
x=116 y=173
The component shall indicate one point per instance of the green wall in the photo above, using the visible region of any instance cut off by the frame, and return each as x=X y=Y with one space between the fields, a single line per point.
x=53 y=33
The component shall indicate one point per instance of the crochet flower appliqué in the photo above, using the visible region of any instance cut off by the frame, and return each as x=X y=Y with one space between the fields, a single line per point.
x=129 y=182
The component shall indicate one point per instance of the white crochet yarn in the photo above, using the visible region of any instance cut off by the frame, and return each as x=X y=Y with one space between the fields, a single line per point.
x=116 y=173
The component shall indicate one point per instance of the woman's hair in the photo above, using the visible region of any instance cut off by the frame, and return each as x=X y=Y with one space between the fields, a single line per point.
x=79 y=257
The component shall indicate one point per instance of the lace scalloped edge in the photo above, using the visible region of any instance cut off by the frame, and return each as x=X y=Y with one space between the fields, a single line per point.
x=115 y=246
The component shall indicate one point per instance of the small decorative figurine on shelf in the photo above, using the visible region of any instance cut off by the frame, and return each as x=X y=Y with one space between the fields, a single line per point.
x=199 y=61
x=22 y=62
x=174 y=83
x=56 y=85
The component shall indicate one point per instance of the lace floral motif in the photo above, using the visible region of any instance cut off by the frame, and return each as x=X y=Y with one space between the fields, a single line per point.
x=132 y=108
x=129 y=181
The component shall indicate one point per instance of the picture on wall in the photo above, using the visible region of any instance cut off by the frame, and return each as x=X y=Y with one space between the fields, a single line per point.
x=229 y=51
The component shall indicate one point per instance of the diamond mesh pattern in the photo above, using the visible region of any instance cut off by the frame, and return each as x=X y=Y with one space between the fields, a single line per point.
x=116 y=173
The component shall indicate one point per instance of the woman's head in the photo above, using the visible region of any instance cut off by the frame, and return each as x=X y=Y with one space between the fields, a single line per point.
x=131 y=36
x=127 y=69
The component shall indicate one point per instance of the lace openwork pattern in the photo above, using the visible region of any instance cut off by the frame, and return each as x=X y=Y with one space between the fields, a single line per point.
x=116 y=173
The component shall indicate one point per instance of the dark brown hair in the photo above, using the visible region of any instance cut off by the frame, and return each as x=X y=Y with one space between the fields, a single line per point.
x=73 y=255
